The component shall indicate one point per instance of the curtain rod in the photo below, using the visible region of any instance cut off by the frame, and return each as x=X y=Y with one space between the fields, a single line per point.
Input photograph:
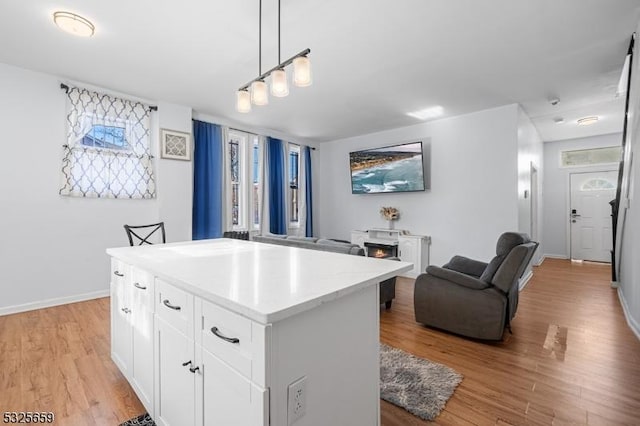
x=255 y=134
x=66 y=89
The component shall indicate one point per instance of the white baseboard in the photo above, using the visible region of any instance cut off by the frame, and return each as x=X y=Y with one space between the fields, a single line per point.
x=555 y=256
x=525 y=280
x=633 y=324
x=8 y=310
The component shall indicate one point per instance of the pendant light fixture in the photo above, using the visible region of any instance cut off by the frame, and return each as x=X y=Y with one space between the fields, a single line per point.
x=258 y=94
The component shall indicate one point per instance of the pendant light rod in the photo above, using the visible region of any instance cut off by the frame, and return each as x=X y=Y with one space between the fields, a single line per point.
x=289 y=61
x=279 y=60
x=260 y=39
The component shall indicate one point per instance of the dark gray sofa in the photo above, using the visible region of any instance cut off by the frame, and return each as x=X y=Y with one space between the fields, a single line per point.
x=472 y=298
x=387 y=287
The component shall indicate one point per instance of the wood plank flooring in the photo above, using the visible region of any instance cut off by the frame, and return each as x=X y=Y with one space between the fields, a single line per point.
x=571 y=359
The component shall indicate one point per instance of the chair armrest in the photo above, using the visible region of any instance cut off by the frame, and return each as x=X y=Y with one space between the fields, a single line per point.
x=466 y=266
x=457 y=278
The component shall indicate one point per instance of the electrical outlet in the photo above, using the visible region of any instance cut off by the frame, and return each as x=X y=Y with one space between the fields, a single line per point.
x=297 y=400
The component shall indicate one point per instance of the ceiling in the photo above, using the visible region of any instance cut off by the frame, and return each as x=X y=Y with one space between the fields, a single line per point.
x=373 y=60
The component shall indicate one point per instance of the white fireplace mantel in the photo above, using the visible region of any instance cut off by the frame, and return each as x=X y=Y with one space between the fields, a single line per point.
x=411 y=248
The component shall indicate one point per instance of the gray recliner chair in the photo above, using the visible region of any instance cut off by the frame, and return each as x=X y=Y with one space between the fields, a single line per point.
x=472 y=298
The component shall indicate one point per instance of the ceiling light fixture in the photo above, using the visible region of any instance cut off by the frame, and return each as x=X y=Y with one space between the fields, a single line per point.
x=279 y=86
x=587 y=121
x=74 y=24
x=427 y=113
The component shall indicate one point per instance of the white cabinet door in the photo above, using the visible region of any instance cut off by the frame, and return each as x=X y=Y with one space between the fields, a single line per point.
x=408 y=252
x=142 y=307
x=175 y=387
x=121 y=344
x=358 y=238
x=229 y=398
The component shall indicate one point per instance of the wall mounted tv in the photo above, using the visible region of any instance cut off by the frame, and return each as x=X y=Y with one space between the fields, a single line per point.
x=396 y=168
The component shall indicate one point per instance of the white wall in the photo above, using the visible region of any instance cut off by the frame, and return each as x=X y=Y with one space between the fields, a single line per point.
x=53 y=247
x=556 y=189
x=529 y=155
x=629 y=276
x=175 y=177
x=473 y=178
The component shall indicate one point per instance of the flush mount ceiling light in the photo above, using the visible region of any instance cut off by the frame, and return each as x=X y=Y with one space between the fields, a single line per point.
x=427 y=113
x=586 y=121
x=74 y=24
x=256 y=91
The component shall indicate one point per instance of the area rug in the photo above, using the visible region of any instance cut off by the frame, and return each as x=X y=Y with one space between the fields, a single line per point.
x=418 y=385
x=142 y=420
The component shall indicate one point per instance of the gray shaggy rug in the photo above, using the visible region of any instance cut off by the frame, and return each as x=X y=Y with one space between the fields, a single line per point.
x=418 y=385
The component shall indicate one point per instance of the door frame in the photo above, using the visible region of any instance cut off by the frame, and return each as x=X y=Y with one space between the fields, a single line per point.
x=567 y=215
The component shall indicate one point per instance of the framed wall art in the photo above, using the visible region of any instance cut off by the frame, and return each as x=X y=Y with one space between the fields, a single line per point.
x=175 y=145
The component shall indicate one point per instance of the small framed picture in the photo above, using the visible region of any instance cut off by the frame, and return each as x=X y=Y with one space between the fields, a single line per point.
x=175 y=145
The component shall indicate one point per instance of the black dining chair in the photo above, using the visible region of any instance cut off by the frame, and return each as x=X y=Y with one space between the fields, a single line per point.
x=143 y=233
x=236 y=235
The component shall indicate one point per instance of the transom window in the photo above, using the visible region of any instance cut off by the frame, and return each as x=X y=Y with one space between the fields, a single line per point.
x=590 y=157
x=111 y=137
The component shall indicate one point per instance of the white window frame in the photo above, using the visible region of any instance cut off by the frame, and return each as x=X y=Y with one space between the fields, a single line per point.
x=255 y=141
x=293 y=223
x=246 y=143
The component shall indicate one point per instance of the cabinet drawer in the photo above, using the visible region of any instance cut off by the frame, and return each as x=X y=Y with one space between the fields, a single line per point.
x=229 y=336
x=175 y=306
x=119 y=271
x=142 y=288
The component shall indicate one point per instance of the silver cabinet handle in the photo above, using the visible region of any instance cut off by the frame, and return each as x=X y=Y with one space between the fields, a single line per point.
x=170 y=306
x=194 y=369
x=215 y=331
x=137 y=285
x=118 y=273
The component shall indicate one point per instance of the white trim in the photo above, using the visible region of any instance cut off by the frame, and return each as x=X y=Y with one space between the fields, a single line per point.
x=631 y=322
x=555 y=256
x=525 y=280
x=8 y=310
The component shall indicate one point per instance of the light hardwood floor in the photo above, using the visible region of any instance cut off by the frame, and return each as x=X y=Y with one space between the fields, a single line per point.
x=571 y=359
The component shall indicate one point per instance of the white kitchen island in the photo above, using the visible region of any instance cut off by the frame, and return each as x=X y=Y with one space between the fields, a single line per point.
x=229 y=332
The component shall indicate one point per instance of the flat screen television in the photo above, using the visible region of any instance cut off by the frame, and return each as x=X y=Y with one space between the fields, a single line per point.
x=396 y=168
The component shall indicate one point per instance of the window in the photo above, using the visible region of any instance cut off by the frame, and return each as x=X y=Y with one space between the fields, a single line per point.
x=597 y=184
x=256 y=182
x=111 y=137
x=243 y=151
x=294 y=174
x=590 y=157
x=107 y=154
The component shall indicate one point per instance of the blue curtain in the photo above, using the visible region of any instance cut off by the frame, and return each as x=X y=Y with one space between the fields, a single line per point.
x=277 y=178
x=207 y=181
x=307 y=191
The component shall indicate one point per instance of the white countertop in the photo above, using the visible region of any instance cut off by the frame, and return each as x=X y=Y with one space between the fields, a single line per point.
x=263 y=282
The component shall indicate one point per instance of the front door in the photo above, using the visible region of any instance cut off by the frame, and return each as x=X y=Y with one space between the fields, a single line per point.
x=590 y=215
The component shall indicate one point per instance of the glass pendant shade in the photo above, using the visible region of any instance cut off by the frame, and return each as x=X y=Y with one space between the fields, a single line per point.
x=279 y=86
x=302 y=71
x=243 y=101
x=259 y=93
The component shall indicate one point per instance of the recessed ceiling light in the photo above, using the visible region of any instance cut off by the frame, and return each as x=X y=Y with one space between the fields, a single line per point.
x=74 y=24
x=586 y=121
x=425 y=114
x=558 y=120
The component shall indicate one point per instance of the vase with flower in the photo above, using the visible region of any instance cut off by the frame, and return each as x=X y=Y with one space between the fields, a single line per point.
x=390 y=214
